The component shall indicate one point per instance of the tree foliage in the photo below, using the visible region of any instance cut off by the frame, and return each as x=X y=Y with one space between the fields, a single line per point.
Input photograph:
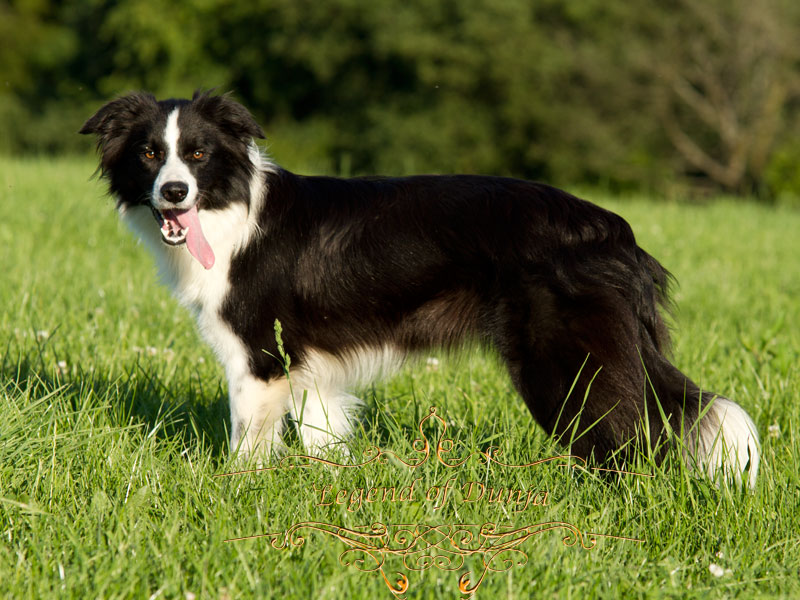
x=596 y=91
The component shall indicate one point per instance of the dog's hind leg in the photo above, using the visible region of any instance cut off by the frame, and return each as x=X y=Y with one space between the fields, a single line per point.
x=592 y=406
x=572 y=357
x=593 y=376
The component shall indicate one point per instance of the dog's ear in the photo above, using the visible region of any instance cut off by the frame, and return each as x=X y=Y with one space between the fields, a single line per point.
x=114 y=120
x=118 y=114
x=228 y=114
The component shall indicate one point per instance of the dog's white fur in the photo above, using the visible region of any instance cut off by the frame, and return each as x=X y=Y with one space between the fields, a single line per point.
x=726 y=442
x=174 y=168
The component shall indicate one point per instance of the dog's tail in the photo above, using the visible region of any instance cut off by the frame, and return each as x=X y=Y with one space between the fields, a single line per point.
x=655 y=297
x=717 y=435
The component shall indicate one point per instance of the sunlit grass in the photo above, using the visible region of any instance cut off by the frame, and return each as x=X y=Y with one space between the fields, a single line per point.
x=114 y=427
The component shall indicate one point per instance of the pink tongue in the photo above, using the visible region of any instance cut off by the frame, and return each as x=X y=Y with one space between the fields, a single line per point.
x=195 y=240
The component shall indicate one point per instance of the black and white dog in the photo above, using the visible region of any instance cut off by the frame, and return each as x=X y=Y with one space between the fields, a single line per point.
x=364 y=272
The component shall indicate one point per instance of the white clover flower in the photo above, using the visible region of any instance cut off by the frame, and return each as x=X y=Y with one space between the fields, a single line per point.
x=718 y=571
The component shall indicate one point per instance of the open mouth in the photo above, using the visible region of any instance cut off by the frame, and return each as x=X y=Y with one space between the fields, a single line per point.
x=172 y=232
x=183 y=227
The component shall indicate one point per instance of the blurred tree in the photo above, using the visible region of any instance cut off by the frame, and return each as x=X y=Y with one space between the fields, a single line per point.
x=32 y=43
x=598 y=91
x=58 y=59
x=721 y=75
x=159 y=45
x=410 y=85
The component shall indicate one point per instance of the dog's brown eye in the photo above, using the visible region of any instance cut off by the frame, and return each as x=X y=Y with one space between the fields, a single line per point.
x=149 y=154
x=198 y=154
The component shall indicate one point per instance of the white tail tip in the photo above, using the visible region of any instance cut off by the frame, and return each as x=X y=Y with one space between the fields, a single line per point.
x=726 y=442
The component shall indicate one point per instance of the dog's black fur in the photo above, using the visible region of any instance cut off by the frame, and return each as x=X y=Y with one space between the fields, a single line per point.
x=558 y=286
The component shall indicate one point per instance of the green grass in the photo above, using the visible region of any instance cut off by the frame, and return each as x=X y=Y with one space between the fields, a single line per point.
x=114 y=426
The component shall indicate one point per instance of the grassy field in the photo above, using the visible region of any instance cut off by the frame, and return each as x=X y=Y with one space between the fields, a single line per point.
x=114 y=426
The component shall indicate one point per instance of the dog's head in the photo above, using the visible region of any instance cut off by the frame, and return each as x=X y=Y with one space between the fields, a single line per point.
x=177 y=157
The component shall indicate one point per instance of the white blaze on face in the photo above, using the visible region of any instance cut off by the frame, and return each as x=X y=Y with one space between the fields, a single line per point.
x=180 y=222
x=174 y=169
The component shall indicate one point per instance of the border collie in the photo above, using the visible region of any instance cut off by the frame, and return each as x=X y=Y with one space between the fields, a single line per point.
x=364 y=272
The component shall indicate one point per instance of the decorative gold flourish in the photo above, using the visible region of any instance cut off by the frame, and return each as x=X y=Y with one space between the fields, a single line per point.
x=422 y=447
x=422 y=547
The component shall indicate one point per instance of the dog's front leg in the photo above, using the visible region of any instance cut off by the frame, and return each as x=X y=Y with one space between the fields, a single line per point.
x=257 y=411
x=325 y=417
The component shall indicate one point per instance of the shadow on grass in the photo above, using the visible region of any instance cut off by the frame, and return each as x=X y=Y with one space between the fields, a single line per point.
x=188 y=408
x=193 y=411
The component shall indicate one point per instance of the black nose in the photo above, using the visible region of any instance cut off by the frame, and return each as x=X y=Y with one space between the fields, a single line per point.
x=174 y=191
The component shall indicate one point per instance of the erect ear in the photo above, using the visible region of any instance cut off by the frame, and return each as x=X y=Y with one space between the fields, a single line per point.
x=114 y=120
x=228 y=114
